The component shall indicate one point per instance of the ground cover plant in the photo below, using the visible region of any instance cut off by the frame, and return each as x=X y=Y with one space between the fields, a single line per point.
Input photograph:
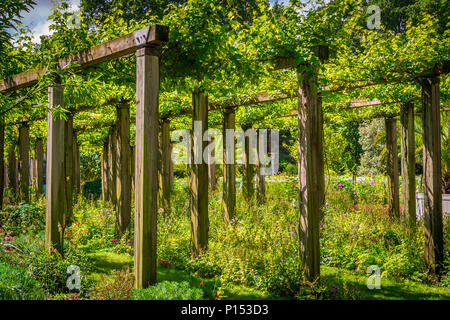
x=255 y=256
x=213 y=150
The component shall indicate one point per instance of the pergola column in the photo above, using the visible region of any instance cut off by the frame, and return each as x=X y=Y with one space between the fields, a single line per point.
x=260 y=179
x=434 y=244
x=146 y=167
x=171 y=172
x=212 y=169
x=229 y=172
x=392 y=167
x=248 y=187
x=199 y=174
x=68 y=165
x=39 y=155
x=12 y=174
x=311 y=166
x=76 y=167
x=105 y=171
x=132 y=166
x=55 y=193
x=112 y=165
x=24 y=161
x=408 y=163
x=123 y=184
x=164 y=176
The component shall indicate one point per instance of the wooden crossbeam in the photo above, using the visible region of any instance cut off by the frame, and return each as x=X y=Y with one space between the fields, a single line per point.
x=113 y=49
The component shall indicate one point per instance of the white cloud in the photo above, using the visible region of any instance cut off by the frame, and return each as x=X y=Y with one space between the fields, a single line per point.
x=36 y=19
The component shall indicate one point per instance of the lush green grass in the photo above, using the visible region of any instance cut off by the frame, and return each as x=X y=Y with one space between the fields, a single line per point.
x=104 y=262
x=16 y=284
x=396 y=289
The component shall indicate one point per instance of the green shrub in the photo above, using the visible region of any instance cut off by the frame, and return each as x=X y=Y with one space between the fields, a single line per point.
x=51 y=270
x=168 y=290
x=16 y=284
x=291 y=169
x=24 y=218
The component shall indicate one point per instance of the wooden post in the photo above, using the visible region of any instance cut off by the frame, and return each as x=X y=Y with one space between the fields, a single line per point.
x=2 y=161
x=12 y=171
x=146 y=170
x=5 y=185
x=132 y=166
x=55 y=193
x=112 y=164
x=68 y=167
x=24 y=161
x=248 y=187
x=76 y=168
x=434 y=241
x=199 y=174
x=260 y=179
x=311 y=167
x=32 y=173
x=39 y=155
x=171 y=172
x=164 y=176
x=408 y=163
x=212 y=169
x=229 y=172
x=16 y=179
x=392 y=167
x=124 y=173
x=105 y=171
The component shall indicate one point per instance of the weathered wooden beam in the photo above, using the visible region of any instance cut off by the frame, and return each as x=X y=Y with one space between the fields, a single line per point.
x=113 y=49
x=248 y=187
x=12 y=172
x=212 y=181
x=408 y=163
x=39 y=155
x=5 y=185
x=199 y=174
x=146 y=170
x=55 y=190
x=392 y=167
x=76 y=167
x=24 y=164
x=105 y=171
x=164 y=174
x=260 y=179
x=171 y=171
x=123 y=184
x=311 y=172
x=229 y=170
x=112 y=164
x=132 y=166
x=68 y=168
x=434 y=241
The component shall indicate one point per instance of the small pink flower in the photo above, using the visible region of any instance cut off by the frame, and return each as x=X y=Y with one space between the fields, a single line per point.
x=114 y=240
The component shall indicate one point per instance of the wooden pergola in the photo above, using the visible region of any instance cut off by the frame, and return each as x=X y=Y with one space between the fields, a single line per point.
x=153 y=147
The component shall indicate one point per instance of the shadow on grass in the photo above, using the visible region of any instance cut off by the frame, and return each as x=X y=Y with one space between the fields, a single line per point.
x=104 y=262
x=391 y=289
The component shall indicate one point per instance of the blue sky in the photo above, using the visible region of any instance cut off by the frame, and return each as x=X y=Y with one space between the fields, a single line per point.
x=36 y=19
